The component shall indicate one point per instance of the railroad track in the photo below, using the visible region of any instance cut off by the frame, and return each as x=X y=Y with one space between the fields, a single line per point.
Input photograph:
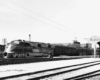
x=73 y=72
x=29 y=60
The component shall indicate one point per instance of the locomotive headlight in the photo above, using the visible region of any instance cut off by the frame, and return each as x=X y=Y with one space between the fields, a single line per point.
x=8 y=48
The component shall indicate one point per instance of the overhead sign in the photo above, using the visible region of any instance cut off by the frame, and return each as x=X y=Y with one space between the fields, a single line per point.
x=95 y=38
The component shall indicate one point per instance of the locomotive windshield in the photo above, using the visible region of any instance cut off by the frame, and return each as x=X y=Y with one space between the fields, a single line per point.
x=15 y=42
x=25 y=44
x=20 y=43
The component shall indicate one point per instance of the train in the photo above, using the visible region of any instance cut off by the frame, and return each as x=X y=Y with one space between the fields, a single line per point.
x=22 y=48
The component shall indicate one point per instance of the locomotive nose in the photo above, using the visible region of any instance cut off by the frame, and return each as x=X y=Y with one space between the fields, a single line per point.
x=4 y=54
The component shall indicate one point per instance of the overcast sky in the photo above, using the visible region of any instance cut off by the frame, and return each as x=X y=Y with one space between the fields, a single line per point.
x=54 y=21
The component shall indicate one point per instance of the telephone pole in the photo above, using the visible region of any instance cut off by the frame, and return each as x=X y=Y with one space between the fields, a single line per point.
x=29 y=37
x=4 y=41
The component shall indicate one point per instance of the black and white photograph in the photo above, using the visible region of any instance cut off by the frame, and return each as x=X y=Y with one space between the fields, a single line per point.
x=49 y=40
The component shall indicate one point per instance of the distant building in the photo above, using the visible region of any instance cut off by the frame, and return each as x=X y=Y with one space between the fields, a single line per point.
x=4 y=41
x=88 y=45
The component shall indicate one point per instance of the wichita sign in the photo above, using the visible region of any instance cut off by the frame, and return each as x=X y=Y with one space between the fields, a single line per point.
x=94 y=38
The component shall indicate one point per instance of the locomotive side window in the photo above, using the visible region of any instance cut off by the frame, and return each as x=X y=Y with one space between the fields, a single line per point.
x=21 y=43
x=49 y=46
x=27 y=44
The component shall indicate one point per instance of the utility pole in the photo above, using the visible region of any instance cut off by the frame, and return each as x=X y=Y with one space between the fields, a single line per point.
x=4 y=41
x=94 y=40
x=29 y=37
x=75 y=39
x=95 y=49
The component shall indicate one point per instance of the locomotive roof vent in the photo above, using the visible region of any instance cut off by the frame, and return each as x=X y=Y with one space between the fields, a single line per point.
x=24 y=40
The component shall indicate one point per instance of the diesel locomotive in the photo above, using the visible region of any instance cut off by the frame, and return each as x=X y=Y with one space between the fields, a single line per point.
x=21 y=48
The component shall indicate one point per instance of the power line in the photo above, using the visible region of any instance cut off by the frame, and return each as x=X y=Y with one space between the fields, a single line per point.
x=39 y=15
x=34 y=18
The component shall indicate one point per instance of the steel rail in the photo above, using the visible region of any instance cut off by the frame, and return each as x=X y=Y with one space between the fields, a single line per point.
x=53 y=72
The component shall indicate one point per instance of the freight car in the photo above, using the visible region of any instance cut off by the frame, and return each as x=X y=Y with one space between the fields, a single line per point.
x=64 y=50
x=72 y=50
x=21 y=48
